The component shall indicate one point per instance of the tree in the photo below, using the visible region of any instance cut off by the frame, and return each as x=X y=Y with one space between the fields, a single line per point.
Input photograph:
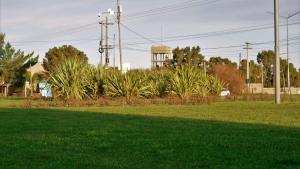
x=187 y=56
x=14 y=64
x=230 y=76
x=298 y=79
x=57 y=55
x=294 y=75
x=254 y=69
x=267 y=59
x=221 y=61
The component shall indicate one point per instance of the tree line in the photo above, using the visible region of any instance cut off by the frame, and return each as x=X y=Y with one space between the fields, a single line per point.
x=263 y=67
x=14 y=64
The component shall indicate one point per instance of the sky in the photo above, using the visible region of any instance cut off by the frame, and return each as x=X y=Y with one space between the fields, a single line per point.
x=219 y=27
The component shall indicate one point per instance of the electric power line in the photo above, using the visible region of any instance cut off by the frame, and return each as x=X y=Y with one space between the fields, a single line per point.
x=169 y=39
x=210 y=34
x=171 y=8
x=138 y=34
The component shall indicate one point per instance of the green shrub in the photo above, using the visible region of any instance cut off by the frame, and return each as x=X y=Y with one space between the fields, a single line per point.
x=129 y=85
x=159 y=82
x=183 y=81
x=187 y=81
x=73 y=79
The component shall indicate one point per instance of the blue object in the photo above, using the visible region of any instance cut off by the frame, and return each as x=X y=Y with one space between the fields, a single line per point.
x=45 y=89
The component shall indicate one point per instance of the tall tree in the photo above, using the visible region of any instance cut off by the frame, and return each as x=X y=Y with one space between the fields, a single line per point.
x=267 y=59
x=254 y=69
x=57 y=55
x=187 y=56
x=14 y=63
x=221 y=61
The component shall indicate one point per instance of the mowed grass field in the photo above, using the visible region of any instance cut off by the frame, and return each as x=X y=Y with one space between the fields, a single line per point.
x=244 y=135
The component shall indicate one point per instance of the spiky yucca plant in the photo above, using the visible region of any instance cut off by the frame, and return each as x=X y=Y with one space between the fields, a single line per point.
x=159 y=82
x=184 y=81
x=129 y=85
x=96 y=84
x=73 y=79
x=187 y=81
x=208 y=85
x=215 y=85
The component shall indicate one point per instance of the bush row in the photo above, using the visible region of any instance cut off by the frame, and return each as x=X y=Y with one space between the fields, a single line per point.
x=75 y=79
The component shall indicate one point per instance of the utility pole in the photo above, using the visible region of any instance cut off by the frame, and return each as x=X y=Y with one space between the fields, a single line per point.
x=239 y=66
x=114 y=50
x=287 y=50
x=105 y=24
x=31 y=85
x=247 y=48
x=161 y=35
x=119 y=30
x=240 y=59
x=101 y=49
x=299 y=77
x=287 y=58
x=106 y=42
x=287 y=46
x=262 y=78
x=0 y=16
x=277 y=52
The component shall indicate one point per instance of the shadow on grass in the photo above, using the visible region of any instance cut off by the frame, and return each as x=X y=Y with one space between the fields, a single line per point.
x=44 y=138
x=291 y=163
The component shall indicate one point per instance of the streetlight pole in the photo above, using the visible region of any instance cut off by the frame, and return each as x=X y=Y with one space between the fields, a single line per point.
x=287 y=47
x=277 y=52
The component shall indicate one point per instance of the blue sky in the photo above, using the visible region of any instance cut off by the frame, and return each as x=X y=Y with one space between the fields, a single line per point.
x=33 y=25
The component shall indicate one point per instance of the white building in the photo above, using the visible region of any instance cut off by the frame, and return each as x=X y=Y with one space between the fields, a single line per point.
x=126 y=67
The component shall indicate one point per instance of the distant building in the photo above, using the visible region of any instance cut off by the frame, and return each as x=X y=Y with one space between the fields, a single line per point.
x=159 y=55
x=126 y=67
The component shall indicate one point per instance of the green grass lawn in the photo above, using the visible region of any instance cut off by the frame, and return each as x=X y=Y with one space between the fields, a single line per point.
x=221 y=135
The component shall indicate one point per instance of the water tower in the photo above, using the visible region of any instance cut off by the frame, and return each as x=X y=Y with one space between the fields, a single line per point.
x=159 y=54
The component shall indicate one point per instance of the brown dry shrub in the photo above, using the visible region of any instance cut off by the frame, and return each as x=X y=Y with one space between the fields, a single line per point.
x=231 y=77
